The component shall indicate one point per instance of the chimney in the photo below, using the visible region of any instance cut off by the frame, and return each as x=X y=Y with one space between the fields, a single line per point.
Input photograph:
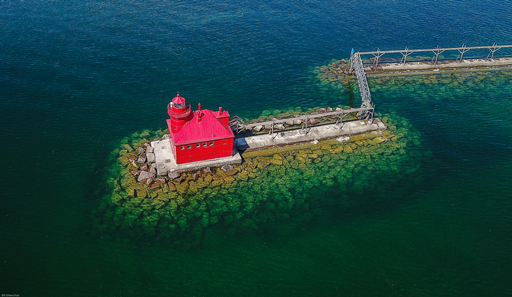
x=220 y=110
x=199 y=114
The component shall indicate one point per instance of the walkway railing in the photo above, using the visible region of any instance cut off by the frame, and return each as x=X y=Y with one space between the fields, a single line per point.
x=364 y=89
x=436 y=51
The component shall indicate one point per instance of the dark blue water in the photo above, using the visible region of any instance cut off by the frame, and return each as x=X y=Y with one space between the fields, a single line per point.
x=77 y=76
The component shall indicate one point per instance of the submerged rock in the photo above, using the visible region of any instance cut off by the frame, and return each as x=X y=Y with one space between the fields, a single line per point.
x=227 y=168
x=265 y=189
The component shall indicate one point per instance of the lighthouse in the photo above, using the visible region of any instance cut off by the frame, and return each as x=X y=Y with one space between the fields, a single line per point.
x=198 y=135
x=179 y=110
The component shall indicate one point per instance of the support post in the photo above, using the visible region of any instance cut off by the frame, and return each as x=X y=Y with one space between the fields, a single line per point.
x=351 y=61
x=464 y=49
x=494 y=48
x=405 y=53
x=437 y=52
x=377 y=56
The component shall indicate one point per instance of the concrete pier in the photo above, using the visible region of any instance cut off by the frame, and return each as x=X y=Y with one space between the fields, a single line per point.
x=166 y=163
x=310 y=134
x=441 y=65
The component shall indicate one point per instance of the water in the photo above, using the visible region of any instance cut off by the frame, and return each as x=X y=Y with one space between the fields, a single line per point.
x=76 y=77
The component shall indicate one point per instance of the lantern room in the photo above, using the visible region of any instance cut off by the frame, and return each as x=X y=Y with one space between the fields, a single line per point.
x=179 y=110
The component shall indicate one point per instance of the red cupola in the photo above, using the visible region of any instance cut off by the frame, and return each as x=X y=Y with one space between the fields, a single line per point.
x=179 y=111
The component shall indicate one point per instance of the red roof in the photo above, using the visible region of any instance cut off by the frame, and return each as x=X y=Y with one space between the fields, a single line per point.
x=178 y=99
x=209 y=128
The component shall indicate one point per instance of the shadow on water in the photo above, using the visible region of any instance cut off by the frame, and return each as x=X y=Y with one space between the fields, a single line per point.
x=353 y=99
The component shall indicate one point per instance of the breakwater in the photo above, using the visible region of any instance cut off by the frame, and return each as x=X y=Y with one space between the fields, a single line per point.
x=274 y=185
x=409 y=60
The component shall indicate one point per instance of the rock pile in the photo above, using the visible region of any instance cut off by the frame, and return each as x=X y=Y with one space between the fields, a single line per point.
x=268 y=187
x=291 y=119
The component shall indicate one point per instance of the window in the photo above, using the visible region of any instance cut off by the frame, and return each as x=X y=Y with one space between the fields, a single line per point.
x=211 y=143
x=182 y=148
x=178 y=105
x=204 y=144
x=198 y=145
x=189 y=146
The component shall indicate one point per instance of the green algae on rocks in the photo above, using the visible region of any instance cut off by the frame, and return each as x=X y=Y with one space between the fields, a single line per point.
x=270 y=186
x=454 y=81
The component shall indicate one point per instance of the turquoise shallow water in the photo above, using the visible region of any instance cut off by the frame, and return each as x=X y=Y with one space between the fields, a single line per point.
x=76 y=77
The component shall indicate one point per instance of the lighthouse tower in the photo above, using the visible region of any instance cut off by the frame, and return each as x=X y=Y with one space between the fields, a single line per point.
x=179 y=111
x=198 y=135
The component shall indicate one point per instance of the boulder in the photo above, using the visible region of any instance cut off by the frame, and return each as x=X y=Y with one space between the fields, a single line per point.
x=229 y=179
x=144 y=175
x=289 y=122
x=151 y=157
x=131 y=193
x=133 y=163
x=207 y=170
x=136 y=172
x=156 y=186
x=208 y=178
x=328 y=109
x=173 y=175
x=321 y=110
x=279 y=127
x=313 y=121
x=124 y=160
x=149 y=181
x=144 y=167
x=297 y=122
x=194 y=176
x=227 y=168
x=140 y=150
x=258 y=128
x=149 y=150
x=142 y=158
x=276 y=161
x=161 y=180
x=152 y=169
x=232 y=172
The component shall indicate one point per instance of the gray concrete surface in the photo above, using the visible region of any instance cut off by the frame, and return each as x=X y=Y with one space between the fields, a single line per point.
x=465 y=63
x=310 y=134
